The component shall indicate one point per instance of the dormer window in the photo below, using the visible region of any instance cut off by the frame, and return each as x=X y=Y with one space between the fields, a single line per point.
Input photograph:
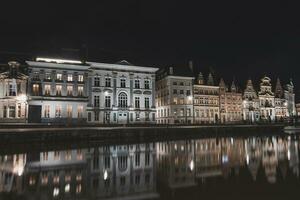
x=70 y=77
x=59 y=77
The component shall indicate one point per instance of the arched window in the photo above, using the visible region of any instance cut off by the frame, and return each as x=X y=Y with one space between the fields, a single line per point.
x=122 y=100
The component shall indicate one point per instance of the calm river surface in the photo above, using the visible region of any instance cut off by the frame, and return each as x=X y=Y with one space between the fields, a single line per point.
x=265 y=167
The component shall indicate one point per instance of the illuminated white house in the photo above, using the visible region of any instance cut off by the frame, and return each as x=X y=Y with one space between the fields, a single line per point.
x=57 y=91
x=174 y=97
x=13 y=99
x=121 y=93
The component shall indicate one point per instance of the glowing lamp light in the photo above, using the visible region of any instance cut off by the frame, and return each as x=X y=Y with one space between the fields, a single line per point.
x=105 y=93
x=288 y=155
x=192 y=165
x=247 y=159
x=105 y=175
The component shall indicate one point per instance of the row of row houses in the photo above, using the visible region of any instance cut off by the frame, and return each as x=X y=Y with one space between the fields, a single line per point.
x=69 y=91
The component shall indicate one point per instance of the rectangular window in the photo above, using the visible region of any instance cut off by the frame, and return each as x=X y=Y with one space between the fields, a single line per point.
x=59 y=77
x=107 y=82
x=80 y=78
x=58 y=111
x=147 y=102
x=80 y=91
x=35 y=89
x=115 y=117
x=123 y=83
x=188 y=92
x=131 y=117
x=70 y=77
x=47 y=89
x=137 y=159
x=137 y=83
x=96 y=116
x=107 y=162
x=96 y=101
x=107 y=101
x=80 y=111
x=137 y=117
x=174 y=83
x=137 y=102
x=97 y=82
x=12 y=90
x=89 y=116
x=147 y=84
x=147 y=178
x=58 y=90
x=48 y=76
x=181 y=91
x=12 y=111
x=56 y=155
x=19 y=110
x=174 y=91
x=122 y=180
x=47 y=111
x=4 y=111
x=69 y=90
x=69 y=111
x=137 y=179
x=147 y=159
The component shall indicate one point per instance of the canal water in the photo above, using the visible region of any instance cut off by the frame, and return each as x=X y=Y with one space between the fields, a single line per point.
x=240 y=167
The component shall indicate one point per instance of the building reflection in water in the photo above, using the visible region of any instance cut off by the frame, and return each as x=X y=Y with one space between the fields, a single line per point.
x=132 y=171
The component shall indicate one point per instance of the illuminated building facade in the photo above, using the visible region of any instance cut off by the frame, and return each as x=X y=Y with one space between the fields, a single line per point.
x=174 y=97
x=13 y=99
x=206 y=101
x=231 y=103
x=121 y=93
x=57 y=91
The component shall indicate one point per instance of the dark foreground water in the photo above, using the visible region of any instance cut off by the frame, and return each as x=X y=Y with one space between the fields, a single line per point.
x=265 y=167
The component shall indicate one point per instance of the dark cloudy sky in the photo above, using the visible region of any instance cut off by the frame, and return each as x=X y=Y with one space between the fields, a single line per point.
x=238 y=39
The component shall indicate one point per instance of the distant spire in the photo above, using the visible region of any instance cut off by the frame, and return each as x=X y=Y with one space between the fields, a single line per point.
x=222 y=83
x=200 y=79
x=210 y=80
x=278 y=89
x=233 y=87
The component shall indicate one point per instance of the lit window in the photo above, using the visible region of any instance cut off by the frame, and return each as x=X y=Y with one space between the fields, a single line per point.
x=68 y=155
x=58 y=111
x=35 y=89
x=70 y=77
x=67 y=188
x=12 y=90
x=44 y=180
x=69 y=111
x=80 y=91
x=78 y=189
x=32 y=180
x=48 y=76
x=80 y=111
x=56 y=177
x=56 y=155
x=79 y=154
x=69 y=90
x=58 y=90
x=47 y=89
x=55 y=192
x=59 y=77
x=80 y=78
x=47 y=111
x=45 y=156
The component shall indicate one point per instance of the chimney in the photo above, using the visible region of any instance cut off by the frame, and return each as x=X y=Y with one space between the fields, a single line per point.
x=171 y=71
x=191 y=66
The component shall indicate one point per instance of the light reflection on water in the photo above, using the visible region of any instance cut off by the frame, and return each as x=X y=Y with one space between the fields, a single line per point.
x=146 y=170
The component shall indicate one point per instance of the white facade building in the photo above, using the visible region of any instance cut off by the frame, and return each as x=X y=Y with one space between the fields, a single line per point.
x=251 y=106
x=174 y=98
x=57 y=91
x=121 y=93
x=13 y=101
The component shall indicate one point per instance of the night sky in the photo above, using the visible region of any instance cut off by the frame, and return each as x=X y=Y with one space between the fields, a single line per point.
x=235 y=39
